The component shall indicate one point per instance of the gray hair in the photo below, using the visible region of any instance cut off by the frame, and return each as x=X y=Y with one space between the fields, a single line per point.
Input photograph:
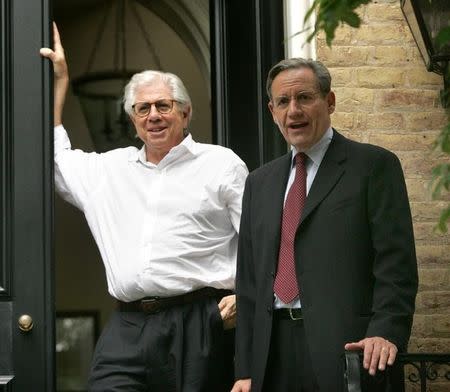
x=322 y=74
x=150 y=77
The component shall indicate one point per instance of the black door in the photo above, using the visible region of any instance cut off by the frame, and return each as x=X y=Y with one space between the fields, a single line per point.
x=26 y=264
x=246 y=41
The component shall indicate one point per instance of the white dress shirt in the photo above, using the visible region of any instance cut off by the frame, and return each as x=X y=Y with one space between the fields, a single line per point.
x=164 y=229
x=315 y=155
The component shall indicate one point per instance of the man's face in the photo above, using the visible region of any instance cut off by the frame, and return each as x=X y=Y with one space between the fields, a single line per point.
x=298 y=109
x=159 y=132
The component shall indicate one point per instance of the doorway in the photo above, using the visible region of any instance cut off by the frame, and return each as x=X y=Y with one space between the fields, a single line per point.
x=82 y=299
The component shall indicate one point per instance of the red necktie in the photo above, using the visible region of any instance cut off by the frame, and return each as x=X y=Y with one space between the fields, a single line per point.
x=285 y=285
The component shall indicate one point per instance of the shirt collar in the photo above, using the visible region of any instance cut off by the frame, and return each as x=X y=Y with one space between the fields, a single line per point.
x=186 y=148
x=318 y=150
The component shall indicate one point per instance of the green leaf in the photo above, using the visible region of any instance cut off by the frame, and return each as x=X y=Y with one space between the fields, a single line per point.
x=313 y=8
x=440 y=179
x=445 y=97
x=332 y=13
x=352 y=19
x=443 y=140
x=443 y=219
x=443 y=37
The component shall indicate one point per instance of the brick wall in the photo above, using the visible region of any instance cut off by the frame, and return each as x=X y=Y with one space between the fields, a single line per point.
x=386 y=97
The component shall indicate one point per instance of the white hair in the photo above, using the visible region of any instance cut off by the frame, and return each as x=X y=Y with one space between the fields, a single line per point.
x=150 y=77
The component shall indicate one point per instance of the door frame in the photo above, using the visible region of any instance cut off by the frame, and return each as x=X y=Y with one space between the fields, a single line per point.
x=27 y=358
x=247 y=39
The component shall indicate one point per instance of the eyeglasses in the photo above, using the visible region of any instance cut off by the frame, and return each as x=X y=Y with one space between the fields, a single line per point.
x=302 y=99
x=163 y=106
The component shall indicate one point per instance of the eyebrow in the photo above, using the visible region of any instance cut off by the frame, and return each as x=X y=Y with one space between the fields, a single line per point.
x=297 y=93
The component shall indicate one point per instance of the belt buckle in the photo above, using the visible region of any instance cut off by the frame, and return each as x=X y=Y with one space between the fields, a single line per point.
x=150 y=305
x=293 y=318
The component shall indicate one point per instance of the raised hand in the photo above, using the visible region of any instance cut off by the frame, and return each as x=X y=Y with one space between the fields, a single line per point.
x=61 y=73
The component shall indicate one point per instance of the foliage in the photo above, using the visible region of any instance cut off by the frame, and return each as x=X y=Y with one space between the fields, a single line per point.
x=440 y=182
x=332 y=13
x=443 y=37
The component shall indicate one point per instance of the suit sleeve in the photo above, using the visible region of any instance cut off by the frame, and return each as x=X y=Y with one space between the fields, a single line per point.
x=245 y=290
x=395 y=265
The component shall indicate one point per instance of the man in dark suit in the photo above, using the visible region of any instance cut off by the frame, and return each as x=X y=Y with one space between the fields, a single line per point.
x=326 y=258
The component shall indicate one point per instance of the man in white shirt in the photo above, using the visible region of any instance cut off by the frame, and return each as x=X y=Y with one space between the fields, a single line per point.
x=165 y=219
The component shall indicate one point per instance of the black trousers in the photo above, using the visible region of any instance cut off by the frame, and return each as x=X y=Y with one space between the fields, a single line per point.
x=182 y=349
x=289 y=364
x=289 y=367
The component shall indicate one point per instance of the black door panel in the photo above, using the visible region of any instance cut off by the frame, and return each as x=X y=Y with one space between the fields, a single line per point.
x=26 y=265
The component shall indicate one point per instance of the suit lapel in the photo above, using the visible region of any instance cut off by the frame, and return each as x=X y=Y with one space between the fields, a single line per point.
x=330 y=170
x=274 y=192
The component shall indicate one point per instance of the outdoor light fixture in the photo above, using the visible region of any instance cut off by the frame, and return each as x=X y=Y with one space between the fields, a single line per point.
x=426 y=18
x=100 y=92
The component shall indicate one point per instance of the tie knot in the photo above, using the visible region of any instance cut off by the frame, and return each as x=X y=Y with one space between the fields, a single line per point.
x=300 y=158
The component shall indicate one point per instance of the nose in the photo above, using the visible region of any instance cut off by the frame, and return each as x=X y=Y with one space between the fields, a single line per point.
x=154 y=115
x=294 y=107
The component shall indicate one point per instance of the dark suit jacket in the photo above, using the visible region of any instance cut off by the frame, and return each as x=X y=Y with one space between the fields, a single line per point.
x=354 y=252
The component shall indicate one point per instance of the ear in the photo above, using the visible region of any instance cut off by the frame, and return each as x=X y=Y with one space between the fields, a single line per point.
x=270 y=105
x=331 y=101
x=133 y=120
x=186 y=113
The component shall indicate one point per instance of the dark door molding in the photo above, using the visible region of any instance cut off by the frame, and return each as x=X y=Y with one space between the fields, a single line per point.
x=26 y=358
x=246 y=40
x=5 y=149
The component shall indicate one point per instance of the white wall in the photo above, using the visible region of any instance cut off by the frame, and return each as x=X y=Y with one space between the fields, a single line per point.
x=296 y=32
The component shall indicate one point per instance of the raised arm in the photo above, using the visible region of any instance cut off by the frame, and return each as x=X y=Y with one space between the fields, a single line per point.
x=61 y=74
x=76 y=173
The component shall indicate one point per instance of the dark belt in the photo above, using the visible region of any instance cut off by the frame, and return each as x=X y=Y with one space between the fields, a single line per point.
x=152 y=305
x=293 y=314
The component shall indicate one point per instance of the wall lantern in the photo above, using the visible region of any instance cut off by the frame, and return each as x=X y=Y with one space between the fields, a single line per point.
x=100 y=92
x=426 y=18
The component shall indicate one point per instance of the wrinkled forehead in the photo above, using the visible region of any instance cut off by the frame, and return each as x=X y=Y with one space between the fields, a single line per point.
x=292 y=81
x=153 y=91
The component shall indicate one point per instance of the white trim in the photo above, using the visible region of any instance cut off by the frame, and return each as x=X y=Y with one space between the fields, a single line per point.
x=294 y=14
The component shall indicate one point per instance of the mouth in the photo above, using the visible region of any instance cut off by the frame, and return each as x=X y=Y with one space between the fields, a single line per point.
x=156 y=130
x=298 y=125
